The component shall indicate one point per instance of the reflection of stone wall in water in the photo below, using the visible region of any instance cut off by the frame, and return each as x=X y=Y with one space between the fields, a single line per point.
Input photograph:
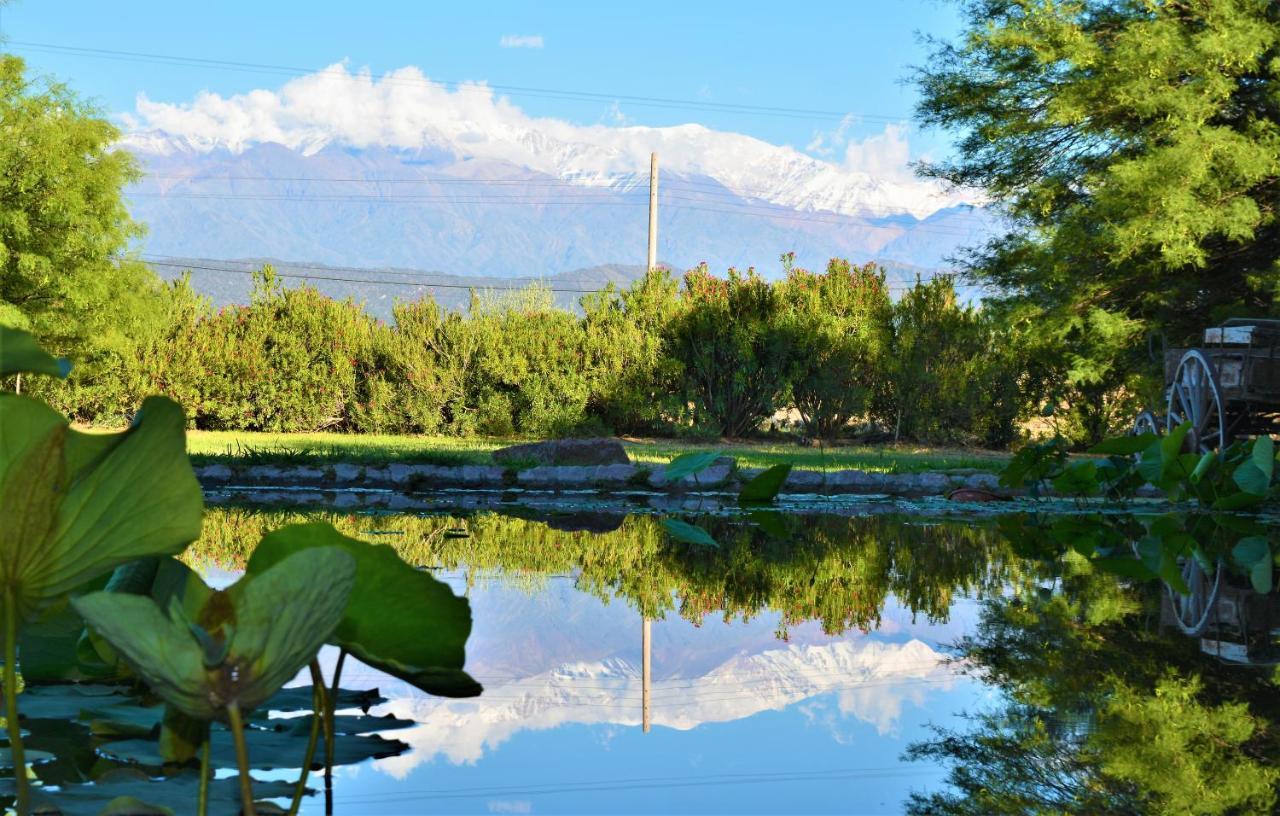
x=835 y=570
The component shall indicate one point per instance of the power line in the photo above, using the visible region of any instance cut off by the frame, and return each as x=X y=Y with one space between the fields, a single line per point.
x=414 y=284
x=460 y=85
x=170 y=264
x=773 y=212
x=615 y=183
x=649 y=783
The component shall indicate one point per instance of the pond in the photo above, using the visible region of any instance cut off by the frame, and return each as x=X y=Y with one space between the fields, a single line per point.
x=862 y=661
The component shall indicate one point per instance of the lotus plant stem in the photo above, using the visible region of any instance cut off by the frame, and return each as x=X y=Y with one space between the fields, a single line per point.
x=242 y=758
x=22 y=802
x=202 y=803
x=330 y=710
x=319 y=705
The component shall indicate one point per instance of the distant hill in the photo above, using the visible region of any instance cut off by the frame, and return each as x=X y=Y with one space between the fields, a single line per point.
x=384 y=208
x=230 y=281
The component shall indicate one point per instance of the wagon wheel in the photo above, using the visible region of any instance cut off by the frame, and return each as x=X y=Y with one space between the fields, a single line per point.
x=1194 y=397
x=1146 y=423
x=1192 y=612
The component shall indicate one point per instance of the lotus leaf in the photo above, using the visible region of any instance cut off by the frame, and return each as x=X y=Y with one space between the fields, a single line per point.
x=398 y=619
x=766 y=486
x=268 y=748
x=76 y=505
x=688 y=533
x=173 y=794
x=687 y=464
x=20 y=354
x=248 y=642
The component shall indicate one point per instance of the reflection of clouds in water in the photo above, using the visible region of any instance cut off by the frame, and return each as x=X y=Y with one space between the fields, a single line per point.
x=873 y=680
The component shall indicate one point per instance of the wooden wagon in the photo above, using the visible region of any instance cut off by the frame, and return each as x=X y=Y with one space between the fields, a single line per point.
x=1226 y=388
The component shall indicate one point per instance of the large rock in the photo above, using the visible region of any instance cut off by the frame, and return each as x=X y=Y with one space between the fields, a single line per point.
x=565 y=452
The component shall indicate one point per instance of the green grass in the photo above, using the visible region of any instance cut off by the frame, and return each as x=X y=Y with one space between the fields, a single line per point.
x=233 y=447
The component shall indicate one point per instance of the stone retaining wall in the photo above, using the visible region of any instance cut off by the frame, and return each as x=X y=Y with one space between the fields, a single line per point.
x=721 y=477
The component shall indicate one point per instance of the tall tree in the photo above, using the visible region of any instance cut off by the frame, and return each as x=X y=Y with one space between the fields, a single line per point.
x=63 y=219
x=64 y=230
x=1134 y=146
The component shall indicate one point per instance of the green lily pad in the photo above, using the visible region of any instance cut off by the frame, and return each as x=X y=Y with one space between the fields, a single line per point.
x=688 y=533
x=20 y=354
x=687 y=464
x=175 y=794
x=31 y=758
x=271 y=625
x=298 y=698
x=269 y=748
x=398 y=619
x=766 y=486
x=77 y=505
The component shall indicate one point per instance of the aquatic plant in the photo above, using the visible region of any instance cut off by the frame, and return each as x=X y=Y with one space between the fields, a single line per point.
x=77 y=505
x=1210 y=491
x=244 y=644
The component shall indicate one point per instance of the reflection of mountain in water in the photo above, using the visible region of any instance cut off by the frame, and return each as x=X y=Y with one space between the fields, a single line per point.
x=561 y=657
x=873 y=679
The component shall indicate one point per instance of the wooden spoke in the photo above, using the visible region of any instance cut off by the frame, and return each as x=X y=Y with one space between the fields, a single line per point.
x=1194 y=397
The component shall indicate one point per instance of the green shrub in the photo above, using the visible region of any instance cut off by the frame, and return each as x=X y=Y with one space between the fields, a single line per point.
x=734 y=355
x=286 y=362
x=633 y=377
x=837 y=324
x=951 y=375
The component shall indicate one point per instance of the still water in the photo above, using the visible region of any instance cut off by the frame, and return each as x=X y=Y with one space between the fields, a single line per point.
x=808 y=663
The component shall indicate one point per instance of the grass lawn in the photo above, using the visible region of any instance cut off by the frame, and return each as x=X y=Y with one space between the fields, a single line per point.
x=235 y=447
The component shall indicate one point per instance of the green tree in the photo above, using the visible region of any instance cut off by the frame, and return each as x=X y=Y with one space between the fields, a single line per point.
x=1134 y=147
x=838 y=326
x=1105 y=713
x=64 y=224
x=735 y=357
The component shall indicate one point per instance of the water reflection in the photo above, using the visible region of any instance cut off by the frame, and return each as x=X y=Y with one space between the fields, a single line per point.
x=826 y=645
x=817 y=664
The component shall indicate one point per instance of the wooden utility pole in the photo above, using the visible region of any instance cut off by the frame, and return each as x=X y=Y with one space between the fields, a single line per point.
x=645 y=641
x=653 y=219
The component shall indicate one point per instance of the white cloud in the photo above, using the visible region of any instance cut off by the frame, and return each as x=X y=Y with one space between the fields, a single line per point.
x=521 y=41
x=884 y=156
x=406 y=109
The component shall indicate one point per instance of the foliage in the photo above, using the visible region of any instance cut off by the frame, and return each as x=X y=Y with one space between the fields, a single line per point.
x=78 y=505
x=734 y=355
x=1104 y=714
x=1134 y=149
x=390 y=606
x=627 y=337
x=1214 y=484
x=837 y=324
x=952 y=374
x=719 y=356
x=243 y=644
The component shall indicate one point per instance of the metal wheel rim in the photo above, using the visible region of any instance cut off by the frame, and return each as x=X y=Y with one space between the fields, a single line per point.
x=1192 y=612
x=1145 y=422
x=1194 y=397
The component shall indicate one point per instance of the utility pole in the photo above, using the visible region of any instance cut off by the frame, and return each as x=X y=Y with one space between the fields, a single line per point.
x=645 y=640
x=653 y=214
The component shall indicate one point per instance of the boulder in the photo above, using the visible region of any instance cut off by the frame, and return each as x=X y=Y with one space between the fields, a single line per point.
x=565 y=452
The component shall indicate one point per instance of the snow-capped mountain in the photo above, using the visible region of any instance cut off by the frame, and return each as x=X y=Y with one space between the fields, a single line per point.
x=872 y=681
x=345 y=169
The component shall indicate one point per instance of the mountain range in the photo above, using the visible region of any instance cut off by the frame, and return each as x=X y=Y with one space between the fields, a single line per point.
x=341 y=170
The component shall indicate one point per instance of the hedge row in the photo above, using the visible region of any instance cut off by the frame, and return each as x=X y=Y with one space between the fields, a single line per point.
x=705 y=355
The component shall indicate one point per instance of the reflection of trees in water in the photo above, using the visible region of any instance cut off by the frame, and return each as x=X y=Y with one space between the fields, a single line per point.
x=835 y=570
x=1105 y=713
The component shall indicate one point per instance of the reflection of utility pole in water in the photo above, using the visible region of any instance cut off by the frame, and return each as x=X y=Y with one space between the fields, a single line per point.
x=645 y=672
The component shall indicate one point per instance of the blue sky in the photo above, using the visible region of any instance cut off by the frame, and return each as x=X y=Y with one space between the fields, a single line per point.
x=851 y=57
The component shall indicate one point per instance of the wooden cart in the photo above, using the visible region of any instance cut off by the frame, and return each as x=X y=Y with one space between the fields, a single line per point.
x=1226 y=388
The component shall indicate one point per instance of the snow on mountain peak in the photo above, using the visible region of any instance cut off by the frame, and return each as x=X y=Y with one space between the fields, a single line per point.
x=404 y=109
